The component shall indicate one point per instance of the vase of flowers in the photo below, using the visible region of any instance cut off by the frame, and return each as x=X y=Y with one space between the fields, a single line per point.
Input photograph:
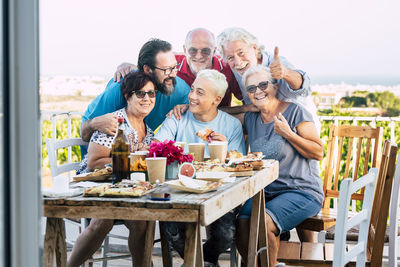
x=174 y=155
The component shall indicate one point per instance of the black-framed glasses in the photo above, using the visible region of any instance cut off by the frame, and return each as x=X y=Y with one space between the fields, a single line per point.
x=253 y=88
x=205 y=52
x=142 y=94
x=168 y=71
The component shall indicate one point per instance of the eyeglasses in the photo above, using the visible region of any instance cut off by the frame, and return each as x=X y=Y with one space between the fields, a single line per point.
x=205 y=52
x=253 y=88
x=168 y=71
x=142 y=94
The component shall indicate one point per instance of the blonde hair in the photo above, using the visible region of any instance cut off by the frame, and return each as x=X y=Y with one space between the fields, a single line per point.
x=218 y=79
x=235 y=34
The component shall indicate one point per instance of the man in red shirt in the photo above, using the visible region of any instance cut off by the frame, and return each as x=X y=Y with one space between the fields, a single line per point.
x=199 y=53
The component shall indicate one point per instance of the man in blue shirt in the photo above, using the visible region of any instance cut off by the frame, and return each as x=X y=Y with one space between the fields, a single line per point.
x=205 y=95
x=156 y=59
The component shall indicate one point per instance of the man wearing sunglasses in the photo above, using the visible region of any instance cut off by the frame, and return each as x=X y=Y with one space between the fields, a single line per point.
x=156 y=59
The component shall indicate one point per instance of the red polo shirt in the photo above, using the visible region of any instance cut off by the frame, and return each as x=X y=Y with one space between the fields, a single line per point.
x=185 y=74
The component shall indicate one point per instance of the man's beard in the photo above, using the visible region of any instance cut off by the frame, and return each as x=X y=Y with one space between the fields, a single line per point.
x=165 y=90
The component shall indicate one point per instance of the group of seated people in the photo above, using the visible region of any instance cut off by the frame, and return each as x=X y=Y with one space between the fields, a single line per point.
x=182 y=94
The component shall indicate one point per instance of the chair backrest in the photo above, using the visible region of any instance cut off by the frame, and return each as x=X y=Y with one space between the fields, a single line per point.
x=394 y=217
x=53 y=146
x=355 y=156
x=349 y=187
x=381 y=202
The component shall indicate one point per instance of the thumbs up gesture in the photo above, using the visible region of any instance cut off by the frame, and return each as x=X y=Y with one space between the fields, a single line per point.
x=278 y=70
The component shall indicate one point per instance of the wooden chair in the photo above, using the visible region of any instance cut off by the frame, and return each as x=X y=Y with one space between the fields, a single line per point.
x=322 y=253
x=363 y=142
x=56 y=169
x=394 y=218
x=392 y=231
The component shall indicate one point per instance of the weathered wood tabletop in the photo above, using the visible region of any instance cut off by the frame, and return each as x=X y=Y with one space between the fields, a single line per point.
x=194 y=209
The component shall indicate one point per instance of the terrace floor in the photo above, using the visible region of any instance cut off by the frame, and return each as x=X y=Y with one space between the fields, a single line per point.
x=119 y=246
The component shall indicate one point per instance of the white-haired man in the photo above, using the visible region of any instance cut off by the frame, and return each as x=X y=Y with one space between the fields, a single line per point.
x=205 y=95
x=241 y=49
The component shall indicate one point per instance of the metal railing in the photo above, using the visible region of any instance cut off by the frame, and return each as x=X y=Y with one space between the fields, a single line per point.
x=52 y=115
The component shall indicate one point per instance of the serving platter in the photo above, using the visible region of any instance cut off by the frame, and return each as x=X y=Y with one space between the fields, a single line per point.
x=177 y=185
x=85 y=177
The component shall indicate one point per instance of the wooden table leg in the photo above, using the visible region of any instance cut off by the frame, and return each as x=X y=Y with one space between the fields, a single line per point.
x=148 y=249
x=54 y=241
x=165 y=249
x=262 y=236
x=254 y=228
x=199 y=250
x=192 y=249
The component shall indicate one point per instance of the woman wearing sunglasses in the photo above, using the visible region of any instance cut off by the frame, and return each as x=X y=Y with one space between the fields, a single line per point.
x=139 y=91
x=285 y=132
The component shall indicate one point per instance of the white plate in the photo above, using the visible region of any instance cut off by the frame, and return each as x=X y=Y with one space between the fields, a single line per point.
x=177 y=185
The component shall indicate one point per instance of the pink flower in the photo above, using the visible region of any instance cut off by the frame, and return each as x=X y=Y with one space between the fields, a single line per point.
x=170 y=151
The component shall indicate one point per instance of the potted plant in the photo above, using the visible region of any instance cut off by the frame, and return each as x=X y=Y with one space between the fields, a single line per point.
x=173 y=153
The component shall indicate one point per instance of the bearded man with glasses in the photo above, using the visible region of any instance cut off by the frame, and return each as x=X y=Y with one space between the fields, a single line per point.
x=157 y=60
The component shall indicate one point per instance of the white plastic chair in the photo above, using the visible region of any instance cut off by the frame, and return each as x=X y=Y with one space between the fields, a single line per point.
x=347 y=188
x=52 y=147
x=316 y=254
x=394 y=217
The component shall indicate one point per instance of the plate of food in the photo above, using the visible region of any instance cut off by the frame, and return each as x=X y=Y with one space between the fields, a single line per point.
x=96 y=175
x=215 y=176
x=206 y=187
x=126 y=188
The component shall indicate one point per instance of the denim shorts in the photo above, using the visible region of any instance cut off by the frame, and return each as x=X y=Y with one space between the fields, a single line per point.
x=287 y=209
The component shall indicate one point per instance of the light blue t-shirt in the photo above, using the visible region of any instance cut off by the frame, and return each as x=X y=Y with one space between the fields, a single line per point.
x=112 y=99
x=184 y=130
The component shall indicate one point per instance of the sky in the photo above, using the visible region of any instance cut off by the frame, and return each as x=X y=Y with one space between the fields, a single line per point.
x=324 y=38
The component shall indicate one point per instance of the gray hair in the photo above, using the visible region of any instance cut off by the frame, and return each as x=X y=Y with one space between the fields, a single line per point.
x=218 y=79
x=235 y=34
x=257 y=69
x=190 y=33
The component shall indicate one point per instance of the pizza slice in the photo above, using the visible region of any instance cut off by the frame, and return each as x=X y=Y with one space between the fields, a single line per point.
x=239 y=167
x=205 y=134
x=257 y=164
x=96 y=190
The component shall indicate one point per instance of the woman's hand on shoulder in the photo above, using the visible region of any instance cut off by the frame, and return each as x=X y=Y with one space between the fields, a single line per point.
x=178 y=110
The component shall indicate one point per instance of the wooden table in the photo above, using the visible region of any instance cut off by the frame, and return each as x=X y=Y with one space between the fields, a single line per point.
x=194 y=209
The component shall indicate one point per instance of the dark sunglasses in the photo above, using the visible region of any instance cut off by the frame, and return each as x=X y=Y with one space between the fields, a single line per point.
x=205 y=52
x=253 y=88
x=142 y=94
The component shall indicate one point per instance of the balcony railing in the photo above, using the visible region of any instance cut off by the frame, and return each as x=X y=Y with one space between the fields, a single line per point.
x=54 y=116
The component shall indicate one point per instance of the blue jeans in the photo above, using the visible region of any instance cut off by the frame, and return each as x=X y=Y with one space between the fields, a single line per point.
x=287 y=209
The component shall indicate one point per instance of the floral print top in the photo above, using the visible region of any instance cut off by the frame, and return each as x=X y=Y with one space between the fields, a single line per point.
x=107 y=140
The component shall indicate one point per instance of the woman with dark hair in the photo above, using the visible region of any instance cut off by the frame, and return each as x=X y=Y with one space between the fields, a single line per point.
x=139 y=91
